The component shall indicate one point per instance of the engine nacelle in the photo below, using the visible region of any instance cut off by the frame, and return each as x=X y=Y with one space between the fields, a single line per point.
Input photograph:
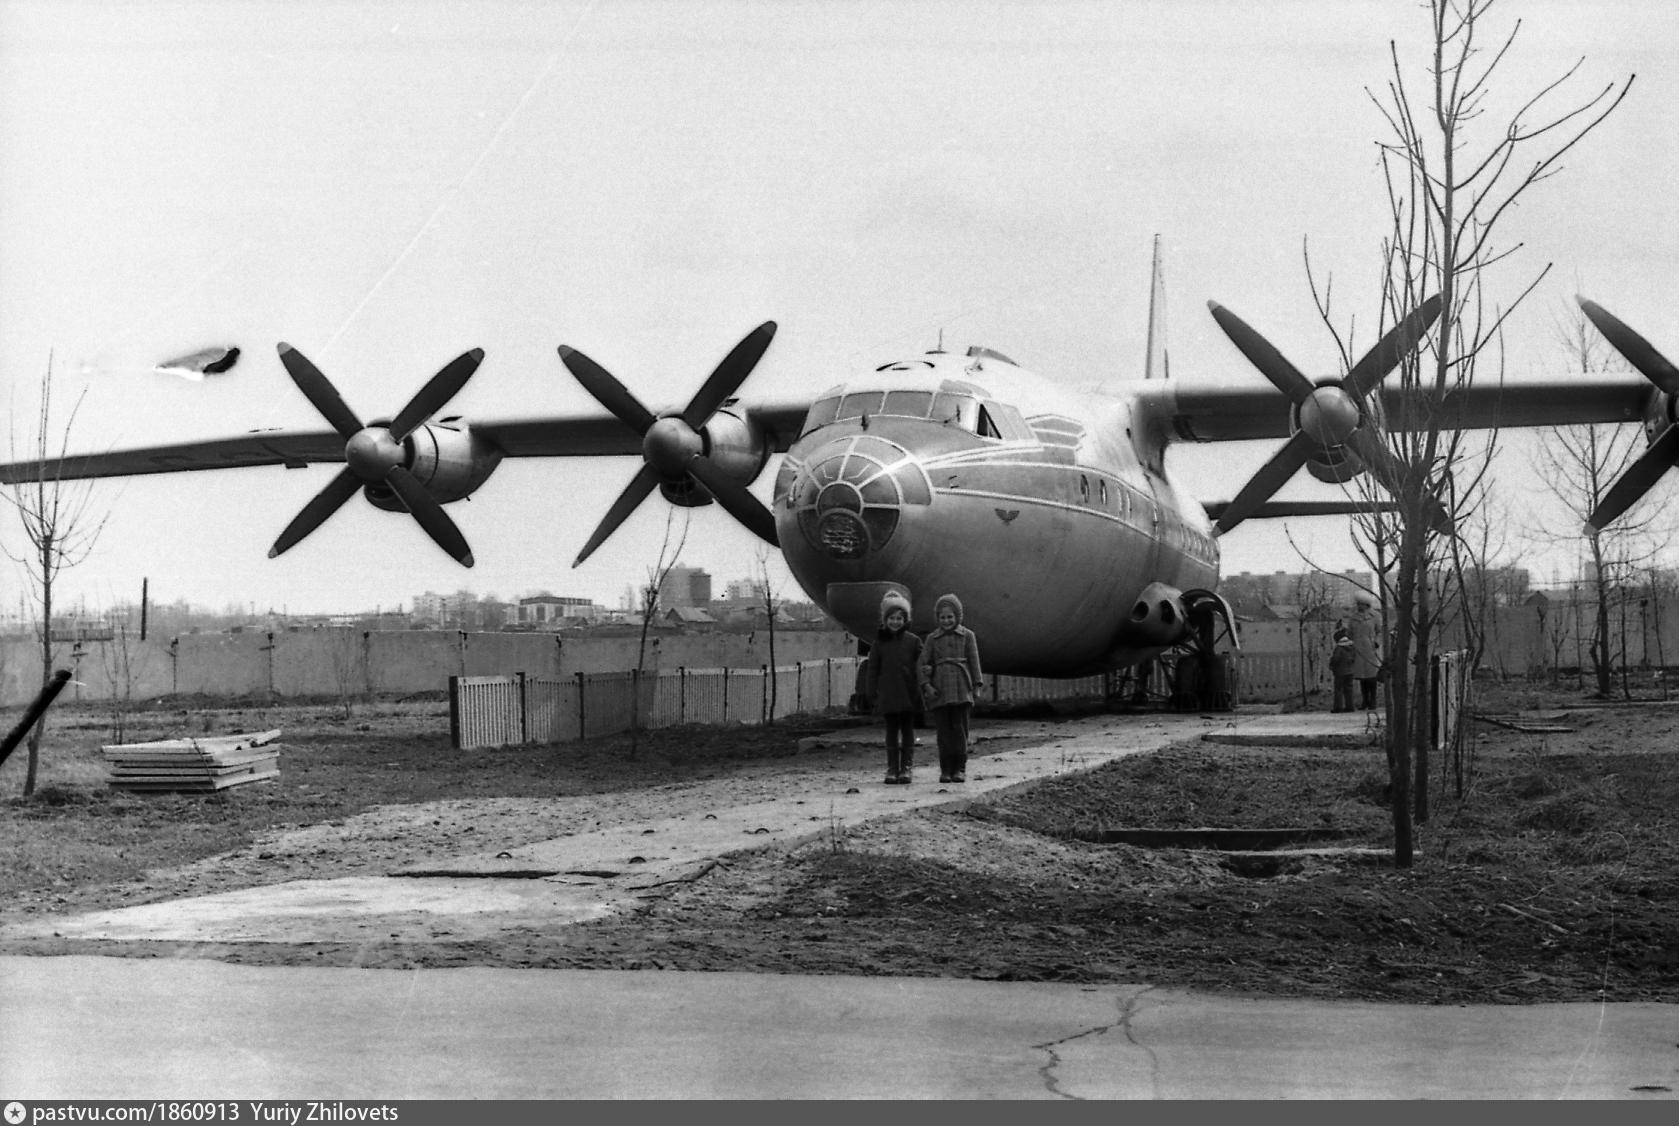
x=1335 y=465
x=732 y=444
x=446 y=458
x=1660 y=412
x=1157 y=619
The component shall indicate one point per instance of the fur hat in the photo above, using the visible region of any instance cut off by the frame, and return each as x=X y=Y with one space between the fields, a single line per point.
x=893 y=601
x=948 y=600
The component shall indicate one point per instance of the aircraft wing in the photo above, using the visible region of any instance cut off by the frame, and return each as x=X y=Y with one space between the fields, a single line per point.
x=1231 y=413
x=605 y=436
x=559 y=436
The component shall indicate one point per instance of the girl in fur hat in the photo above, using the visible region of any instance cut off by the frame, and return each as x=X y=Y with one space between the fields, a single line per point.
x=890 y=674
x=950 y=679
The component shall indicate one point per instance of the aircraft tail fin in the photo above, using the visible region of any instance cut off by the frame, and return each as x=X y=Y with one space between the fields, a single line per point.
x=1156 y=365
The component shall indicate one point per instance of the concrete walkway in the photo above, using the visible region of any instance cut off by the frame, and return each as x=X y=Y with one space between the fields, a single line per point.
x=589 y=874
x=126 y=1028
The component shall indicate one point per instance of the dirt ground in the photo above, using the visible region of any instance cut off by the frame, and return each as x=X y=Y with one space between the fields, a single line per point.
x=1545 y=871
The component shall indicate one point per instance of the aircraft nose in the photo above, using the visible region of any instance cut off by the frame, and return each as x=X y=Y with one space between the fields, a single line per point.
x=850 y=495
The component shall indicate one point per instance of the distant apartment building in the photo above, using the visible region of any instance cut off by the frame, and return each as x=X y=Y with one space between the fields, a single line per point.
x=686 y=588
x=551 y=611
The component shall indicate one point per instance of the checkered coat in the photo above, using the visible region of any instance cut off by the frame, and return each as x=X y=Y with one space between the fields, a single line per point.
x=950 y=661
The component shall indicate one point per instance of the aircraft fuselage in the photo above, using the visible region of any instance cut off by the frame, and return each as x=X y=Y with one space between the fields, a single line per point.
x=1047 y=512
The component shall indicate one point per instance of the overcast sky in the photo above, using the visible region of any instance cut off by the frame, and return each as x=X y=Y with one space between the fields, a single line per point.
x=385 y=185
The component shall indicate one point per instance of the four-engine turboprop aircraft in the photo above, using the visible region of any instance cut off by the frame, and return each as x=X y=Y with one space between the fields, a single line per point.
x=1048 y=510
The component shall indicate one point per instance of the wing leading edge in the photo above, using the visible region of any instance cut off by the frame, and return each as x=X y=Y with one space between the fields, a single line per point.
x=557 y=436
x=1230 y=413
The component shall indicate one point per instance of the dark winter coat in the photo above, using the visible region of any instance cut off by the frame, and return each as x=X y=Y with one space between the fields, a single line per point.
x=890 y=673
x=1342 y=657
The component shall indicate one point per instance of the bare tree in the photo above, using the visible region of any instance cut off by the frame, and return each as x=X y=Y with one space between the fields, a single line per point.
x=766 y=591
x=1446 y=201
x=58 y=527
x=1578 y=465
x=1312 y=603
x=656 y=576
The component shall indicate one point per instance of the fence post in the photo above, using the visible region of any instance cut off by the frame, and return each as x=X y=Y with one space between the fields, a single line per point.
x=582 y=715
x=455 y=710
x=764 y=695
x=681 y=694
x=524 y=708
x=725 y=694
x=828 y=675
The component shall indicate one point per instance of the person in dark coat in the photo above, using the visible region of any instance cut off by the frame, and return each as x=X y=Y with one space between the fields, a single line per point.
x=950 y=681
x=890 y=673
x=1341 y=659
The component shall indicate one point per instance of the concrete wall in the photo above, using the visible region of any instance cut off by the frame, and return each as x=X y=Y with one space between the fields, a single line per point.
x=330 y=662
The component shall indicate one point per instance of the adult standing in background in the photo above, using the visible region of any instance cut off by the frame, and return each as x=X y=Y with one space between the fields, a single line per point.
x=1365 y=628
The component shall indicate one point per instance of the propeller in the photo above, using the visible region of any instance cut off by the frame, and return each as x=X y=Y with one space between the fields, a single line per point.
x=673 y=445
x=374 y=455
x=1330 y=414
x=1663 y=453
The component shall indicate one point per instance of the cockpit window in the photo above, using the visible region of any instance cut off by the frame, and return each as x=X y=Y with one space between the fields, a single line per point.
x=821 y=413
x=955 y=410
x=860 y=403
x=947 y=407
x=909 y=404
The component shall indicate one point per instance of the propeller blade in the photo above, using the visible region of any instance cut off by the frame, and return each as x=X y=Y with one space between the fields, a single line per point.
x=442 y=387
x=608 y=392
x=1390 y=349
x=1662 y=455
x=1273 y=475
x=1283 y=375
x=318 y=389
x=729 y=375
x=1387 y=469
x=329 y=500
x=425 y=509
x=639 y=489
x=736 y=499
x=1638 y=351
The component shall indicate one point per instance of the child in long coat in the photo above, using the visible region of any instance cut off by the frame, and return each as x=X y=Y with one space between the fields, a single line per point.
x=890 y=673
x=950 y=680
x=1341 y=660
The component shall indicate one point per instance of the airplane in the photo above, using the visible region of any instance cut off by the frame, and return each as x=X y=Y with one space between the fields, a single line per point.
x=196 y=365
x=1049 y=510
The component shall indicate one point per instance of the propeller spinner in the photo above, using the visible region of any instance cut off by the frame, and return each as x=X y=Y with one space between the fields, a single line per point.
x=1330 y=414
x=673 y=445
x=1663 y=453
x=375 y=455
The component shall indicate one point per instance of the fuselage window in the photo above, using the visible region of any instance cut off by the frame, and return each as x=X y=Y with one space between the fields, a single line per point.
x=1084 y=488
x=909 y=404
x=1102 y=490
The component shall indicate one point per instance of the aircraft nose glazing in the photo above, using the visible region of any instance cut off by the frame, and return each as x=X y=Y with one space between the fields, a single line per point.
x=849 y=499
